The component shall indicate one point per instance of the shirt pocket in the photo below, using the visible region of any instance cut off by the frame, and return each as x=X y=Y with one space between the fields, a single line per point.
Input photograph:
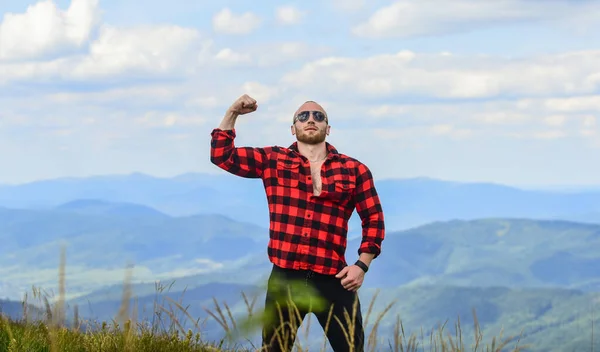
x=344 y=187
x=288 y=172
x=344 y=184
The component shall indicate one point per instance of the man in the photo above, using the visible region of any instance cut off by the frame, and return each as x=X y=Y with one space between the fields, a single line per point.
x=312 y=191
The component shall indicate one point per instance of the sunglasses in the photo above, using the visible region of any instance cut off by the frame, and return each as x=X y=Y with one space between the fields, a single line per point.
x=304 y=115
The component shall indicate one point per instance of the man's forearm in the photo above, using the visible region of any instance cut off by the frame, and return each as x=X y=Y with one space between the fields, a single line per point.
x=228 y=122
x=366 y=258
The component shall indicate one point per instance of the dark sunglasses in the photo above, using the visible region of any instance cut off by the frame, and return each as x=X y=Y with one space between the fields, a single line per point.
x=304 y=115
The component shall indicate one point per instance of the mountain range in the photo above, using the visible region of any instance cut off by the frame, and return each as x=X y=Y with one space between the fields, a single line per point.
x=522 y=258
x=407 y=202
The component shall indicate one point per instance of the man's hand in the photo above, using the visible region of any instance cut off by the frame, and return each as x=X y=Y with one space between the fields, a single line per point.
x=352 y=277
x=243 y=105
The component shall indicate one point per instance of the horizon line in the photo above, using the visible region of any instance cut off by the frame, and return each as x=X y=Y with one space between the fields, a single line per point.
x=564 y=187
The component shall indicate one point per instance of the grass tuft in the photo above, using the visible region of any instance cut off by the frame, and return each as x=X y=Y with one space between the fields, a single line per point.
x=53 y=333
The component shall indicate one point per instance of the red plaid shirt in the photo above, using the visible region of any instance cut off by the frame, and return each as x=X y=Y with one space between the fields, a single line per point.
x=307 y=231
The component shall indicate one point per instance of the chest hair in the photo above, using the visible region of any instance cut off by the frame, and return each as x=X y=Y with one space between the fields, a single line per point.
x=315 y=171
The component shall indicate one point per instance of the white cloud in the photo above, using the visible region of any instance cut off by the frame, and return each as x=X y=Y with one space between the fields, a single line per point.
x=551 y=134
x=451 y=131
x=229 y=56
x=450 y=76
x=262 y=93
x=269 y=54
x=44 y=29
x=159 y=119
x=459 y=120
x=156 y=49
x=121 y=52
x=500 y=116
x=555 y=120
x=348 y=5
x=405 y=18
x=227 y=22
x=203 y=102
x=273 y=54
x=583 y=103
x=589 y=121
x=289 y=15
x=132 y=96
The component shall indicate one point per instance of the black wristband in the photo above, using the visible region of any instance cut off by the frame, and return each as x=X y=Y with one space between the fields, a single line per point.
x=362 y=265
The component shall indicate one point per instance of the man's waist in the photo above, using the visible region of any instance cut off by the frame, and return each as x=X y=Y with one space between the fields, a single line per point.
x=303 y=267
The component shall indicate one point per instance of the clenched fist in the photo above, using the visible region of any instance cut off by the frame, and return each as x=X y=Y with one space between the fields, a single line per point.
x=243 y=105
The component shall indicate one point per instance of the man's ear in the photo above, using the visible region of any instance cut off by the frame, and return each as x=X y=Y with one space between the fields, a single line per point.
x=293 y=129
x=328 y=129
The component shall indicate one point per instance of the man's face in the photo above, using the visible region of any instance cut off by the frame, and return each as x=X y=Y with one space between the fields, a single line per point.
x=310 y=131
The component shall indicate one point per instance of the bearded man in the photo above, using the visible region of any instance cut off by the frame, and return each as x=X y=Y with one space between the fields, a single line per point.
x=312 y=191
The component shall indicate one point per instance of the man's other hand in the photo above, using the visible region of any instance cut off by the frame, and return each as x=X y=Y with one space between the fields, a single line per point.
x=352 y=277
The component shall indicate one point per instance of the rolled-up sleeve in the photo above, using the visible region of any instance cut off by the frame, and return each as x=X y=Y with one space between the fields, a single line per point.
x=368 y=207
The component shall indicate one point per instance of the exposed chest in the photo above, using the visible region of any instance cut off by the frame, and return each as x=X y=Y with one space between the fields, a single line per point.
x=315 y=173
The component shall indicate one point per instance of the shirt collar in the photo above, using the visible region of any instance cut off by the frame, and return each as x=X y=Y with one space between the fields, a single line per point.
x=331 y=150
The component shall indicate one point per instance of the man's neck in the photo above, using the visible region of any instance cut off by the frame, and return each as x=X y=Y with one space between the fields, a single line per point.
x=313 y=152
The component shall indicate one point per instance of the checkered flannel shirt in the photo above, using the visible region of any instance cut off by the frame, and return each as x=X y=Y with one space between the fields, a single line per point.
x=307 y=231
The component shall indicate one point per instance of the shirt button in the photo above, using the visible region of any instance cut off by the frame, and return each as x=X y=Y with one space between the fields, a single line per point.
x=305 y=234
x=308 y=215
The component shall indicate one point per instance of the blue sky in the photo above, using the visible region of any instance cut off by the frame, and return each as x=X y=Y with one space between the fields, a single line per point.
x=505 y=91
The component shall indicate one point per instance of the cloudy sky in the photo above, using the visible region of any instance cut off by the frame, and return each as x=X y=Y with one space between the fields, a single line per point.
x=504 y=91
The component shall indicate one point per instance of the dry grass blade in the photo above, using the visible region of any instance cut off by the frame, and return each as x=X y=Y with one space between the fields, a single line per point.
x=372 y=340
x=477 y=331
x=249 y=306
x=222 y=322
x=123 y=313
x=370 y=309
x=185 y=311
x=173 y=319
x=397 y=339
x=25 y=307
x=326 y=328
x=76 y=323
x=230 y=316
x=451 y=342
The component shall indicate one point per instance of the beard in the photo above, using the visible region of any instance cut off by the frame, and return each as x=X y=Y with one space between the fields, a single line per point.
x=311 y=137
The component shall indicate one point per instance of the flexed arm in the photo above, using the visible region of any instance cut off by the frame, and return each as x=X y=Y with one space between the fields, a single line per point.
x=241 y=161
x=243 y=105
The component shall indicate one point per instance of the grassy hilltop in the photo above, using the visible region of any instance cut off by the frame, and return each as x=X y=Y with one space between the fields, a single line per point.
x=52 y=330
x=545 y=317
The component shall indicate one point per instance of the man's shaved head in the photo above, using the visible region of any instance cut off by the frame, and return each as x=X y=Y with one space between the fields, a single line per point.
x=310 y=106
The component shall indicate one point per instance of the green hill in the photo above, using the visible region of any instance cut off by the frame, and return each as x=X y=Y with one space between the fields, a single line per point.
x=491 y=252
x=550 y=319
x=101 y=244
x=514 y=253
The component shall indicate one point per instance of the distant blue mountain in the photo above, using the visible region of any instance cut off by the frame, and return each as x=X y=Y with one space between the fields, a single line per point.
x=407 y=202
x=17 y=310
x=99 y=207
